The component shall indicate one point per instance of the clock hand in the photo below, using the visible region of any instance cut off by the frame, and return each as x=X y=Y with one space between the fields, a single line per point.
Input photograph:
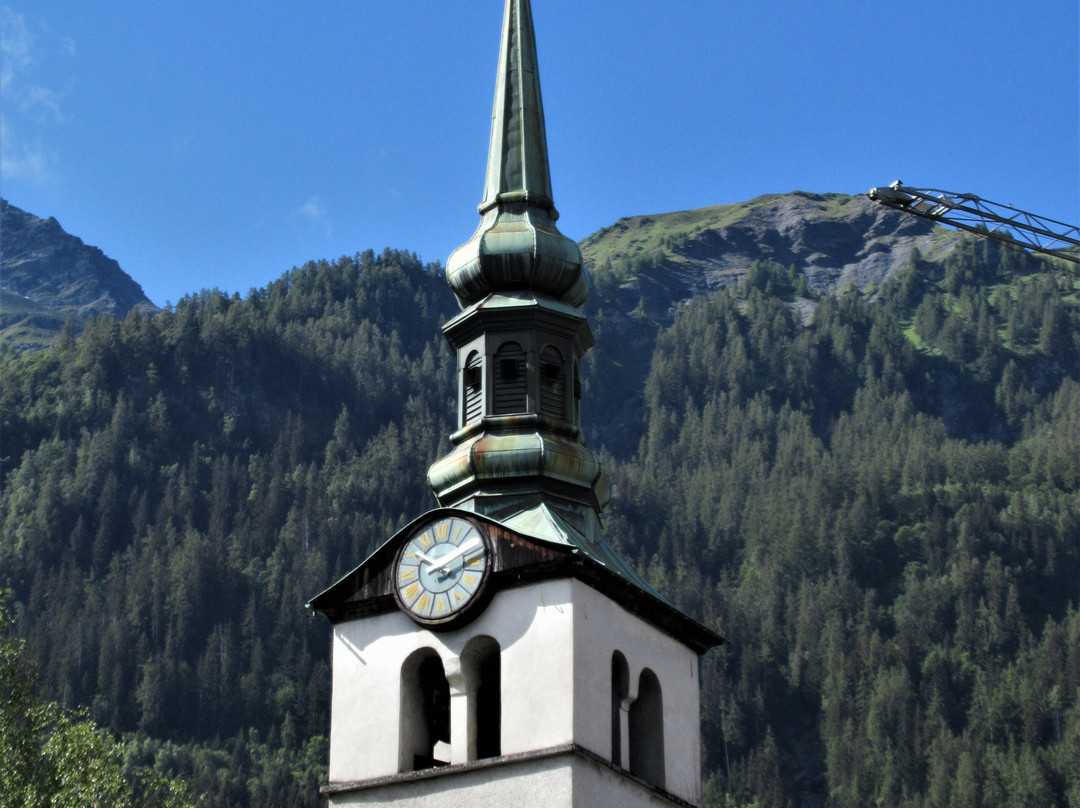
x=446 y=560
x=431 y=562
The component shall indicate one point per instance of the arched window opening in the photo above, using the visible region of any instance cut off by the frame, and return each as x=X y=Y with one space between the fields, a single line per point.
x=510 y=379
x=620 y=688
x=552 y=383
x=472 y=388
x=647 y=730
x=425 y=712
x=482 y=663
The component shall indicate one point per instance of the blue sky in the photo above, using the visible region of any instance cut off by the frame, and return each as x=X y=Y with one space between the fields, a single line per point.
x=220 y=144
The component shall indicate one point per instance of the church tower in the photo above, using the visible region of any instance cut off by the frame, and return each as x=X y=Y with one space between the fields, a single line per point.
x=496 y=651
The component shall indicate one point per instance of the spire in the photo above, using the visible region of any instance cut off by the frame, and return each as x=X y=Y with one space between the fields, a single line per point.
x=517 y=158
x=517 y=246
x=521 y=336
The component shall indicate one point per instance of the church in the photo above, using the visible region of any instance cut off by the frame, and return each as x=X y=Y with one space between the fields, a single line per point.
x=496 y=650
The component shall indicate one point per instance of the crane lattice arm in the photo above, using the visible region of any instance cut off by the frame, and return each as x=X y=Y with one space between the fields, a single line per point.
x=1000 y=222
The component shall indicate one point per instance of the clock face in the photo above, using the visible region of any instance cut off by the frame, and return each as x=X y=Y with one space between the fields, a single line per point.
x=441 y=570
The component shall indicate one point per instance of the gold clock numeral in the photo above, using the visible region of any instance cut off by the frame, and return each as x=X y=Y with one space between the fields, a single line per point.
x=469 y=579
x=442 y=530
x=425 y=540
x=442 y=604
x=411 y=592
x=406 y=574
x=423 y=605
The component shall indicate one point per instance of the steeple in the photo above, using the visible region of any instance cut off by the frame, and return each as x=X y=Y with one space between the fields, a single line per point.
x=519 y=450
x=517 y=244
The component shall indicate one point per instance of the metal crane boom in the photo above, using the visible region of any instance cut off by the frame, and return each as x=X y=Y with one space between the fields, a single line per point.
x=1000 y=222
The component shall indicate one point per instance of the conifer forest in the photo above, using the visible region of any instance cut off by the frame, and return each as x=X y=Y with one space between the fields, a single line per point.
x=872 y=494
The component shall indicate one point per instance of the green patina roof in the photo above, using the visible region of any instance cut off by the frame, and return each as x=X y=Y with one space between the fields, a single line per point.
x=545 y=524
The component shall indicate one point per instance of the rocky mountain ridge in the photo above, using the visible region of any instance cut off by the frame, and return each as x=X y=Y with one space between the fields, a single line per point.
x=832 y=240
x=48 y=276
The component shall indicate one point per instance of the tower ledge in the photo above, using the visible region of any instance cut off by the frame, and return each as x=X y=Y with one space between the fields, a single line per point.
x=533 y=773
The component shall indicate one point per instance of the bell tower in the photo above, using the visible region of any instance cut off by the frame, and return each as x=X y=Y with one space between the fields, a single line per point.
x=497 y=651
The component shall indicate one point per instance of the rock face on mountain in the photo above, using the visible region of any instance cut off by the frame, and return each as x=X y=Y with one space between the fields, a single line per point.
x=831 y=240
x=48 y=276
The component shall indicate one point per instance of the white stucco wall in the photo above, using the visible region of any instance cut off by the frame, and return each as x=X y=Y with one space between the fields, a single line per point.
x=533 y=627
x=556 y=638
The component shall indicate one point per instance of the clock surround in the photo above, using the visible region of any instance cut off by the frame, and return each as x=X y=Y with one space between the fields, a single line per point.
x=441 y=572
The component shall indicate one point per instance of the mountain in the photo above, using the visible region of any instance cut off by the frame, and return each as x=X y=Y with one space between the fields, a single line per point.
x=48 y=277
x=873 y=492
x=831 y=240
x=645 y=267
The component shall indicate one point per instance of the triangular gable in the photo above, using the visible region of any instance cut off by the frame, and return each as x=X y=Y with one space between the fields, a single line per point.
x=531 y=545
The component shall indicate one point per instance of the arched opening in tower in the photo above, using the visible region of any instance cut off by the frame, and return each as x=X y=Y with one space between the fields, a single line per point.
x=425 y=712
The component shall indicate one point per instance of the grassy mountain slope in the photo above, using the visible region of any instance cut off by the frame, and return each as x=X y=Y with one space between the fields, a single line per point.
x=830 y=239
x=873 y=494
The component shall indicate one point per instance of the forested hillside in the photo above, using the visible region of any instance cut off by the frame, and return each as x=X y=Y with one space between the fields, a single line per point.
x=873 y=495
x=881 y=510
x=177 y=487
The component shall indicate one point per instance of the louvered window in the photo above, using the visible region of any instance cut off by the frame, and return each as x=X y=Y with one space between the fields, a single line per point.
x=552 y=383
x=510 y=379
x=473 y=387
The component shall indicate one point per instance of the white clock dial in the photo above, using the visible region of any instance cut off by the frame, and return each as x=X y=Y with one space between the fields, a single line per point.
x=441 y=570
